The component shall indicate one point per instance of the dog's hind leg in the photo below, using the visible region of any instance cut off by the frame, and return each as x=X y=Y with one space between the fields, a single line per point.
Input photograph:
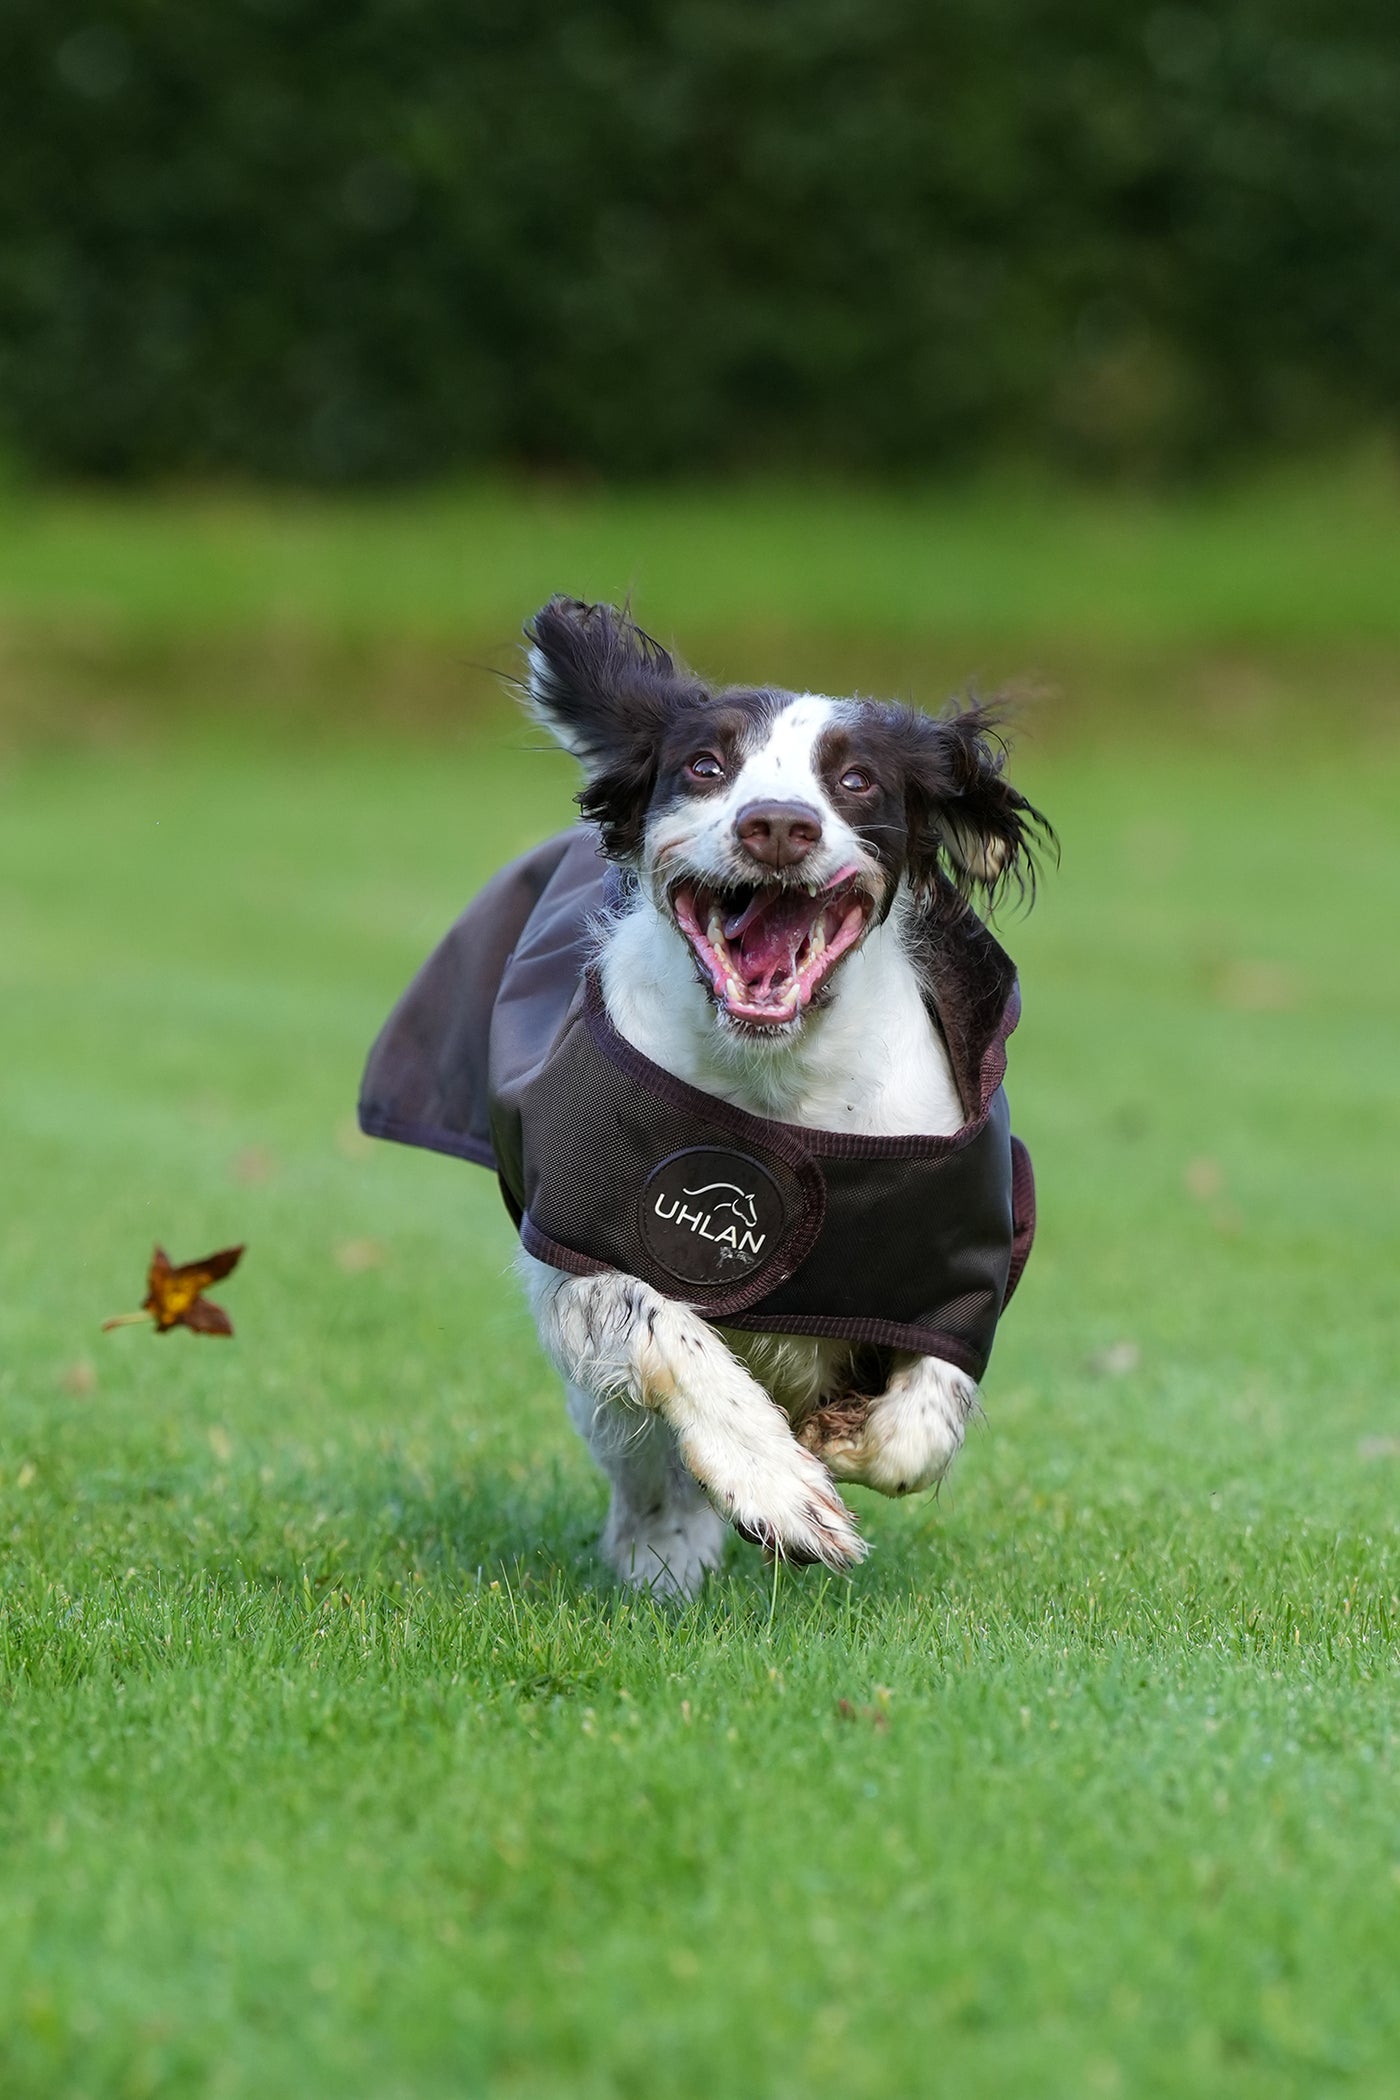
x=622 y=1344
x=662 y=1533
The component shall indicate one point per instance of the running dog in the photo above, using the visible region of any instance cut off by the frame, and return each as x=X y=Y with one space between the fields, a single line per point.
x=735 y=1047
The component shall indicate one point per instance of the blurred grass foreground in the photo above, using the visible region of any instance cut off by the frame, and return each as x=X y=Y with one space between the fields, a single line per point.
x=330 y=1766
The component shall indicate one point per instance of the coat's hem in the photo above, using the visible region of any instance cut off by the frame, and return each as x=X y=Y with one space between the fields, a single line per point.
x=559 y=1256
x=428 y=1137
x=887 y=1334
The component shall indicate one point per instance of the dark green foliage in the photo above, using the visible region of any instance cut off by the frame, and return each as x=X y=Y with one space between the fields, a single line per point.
x=335 y=241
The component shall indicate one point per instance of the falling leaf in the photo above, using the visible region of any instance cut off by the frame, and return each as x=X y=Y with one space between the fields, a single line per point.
x=173 y=1294
x=80 y=1378
x=1204 y=1178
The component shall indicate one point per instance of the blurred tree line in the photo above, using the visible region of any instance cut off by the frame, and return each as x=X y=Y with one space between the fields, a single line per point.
x=343 y=240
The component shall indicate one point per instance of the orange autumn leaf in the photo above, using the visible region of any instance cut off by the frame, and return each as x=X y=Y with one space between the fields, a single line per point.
x=173 y=1294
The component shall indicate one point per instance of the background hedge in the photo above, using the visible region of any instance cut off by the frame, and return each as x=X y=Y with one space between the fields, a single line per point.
x=359 y=239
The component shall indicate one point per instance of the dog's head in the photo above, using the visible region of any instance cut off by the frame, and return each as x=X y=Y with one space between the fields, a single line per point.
x=772 y=830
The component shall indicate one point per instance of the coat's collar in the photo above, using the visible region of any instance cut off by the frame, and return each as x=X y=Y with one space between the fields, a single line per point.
x=793 y=1141
x=969 y=983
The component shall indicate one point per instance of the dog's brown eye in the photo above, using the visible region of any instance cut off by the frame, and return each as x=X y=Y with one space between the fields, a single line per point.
x=855 y=781
x=705 y=766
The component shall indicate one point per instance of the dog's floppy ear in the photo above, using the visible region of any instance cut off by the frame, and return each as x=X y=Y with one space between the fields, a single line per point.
x=605 y=691
x=597 y=682
x=967 y=823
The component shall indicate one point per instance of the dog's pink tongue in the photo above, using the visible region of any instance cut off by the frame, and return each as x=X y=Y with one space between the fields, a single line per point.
x=773 y=935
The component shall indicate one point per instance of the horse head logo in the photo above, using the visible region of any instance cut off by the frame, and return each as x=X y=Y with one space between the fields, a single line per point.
x=738 y=1200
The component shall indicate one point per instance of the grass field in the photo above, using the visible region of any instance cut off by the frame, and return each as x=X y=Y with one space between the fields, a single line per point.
x=329 y=1765
x=1305 y=557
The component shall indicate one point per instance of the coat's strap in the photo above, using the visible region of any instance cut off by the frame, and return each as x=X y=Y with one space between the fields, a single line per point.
x=1022 y=1216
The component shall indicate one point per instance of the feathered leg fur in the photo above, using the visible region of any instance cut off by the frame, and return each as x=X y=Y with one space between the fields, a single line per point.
x=634 y=1356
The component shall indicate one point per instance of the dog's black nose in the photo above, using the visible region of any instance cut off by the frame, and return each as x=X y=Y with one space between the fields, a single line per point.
x=778 y=833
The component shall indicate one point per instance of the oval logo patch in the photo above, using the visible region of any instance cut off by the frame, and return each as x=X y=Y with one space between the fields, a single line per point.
x=712 y=1217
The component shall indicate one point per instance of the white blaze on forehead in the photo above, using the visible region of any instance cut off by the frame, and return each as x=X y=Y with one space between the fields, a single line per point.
x=783 y=768
x=779 y=766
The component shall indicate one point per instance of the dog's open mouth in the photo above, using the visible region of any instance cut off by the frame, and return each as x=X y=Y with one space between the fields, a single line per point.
x=768 y=949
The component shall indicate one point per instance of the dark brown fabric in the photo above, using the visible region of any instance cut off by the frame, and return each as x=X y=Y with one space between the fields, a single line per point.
x=428 y=1077
x=1022 y=1215
x=502 y=1052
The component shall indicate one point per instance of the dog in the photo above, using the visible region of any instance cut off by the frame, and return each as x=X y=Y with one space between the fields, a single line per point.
x=733 y=1046
x=785 y=862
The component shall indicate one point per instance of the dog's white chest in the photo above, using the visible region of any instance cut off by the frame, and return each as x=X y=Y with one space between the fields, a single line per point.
x=872 y=1064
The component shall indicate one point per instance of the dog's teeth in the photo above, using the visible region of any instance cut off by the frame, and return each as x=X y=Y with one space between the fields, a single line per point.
x=818 y=940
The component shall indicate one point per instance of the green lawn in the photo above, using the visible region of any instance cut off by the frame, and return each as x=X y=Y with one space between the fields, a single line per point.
x=330 y=1765
x=1305 y=557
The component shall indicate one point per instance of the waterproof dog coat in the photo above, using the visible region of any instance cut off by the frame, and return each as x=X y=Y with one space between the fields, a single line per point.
x=501 y=1052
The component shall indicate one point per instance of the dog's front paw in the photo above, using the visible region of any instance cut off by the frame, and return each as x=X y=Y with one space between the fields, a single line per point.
x=798 y=1516
x=904 y=1441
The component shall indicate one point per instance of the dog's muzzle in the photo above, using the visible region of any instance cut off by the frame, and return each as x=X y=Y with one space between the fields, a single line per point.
x=767 y=949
